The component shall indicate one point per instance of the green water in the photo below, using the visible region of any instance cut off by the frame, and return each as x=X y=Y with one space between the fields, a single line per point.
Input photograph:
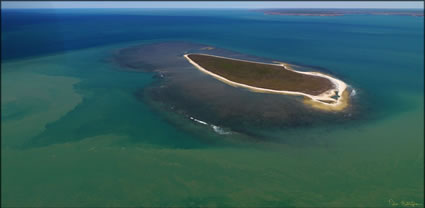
x=74 y=135
x=108 y=148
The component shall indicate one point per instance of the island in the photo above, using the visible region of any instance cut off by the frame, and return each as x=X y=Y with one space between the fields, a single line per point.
x=321 y=91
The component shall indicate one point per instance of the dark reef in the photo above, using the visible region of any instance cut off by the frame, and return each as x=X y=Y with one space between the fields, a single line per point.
x=183 y=89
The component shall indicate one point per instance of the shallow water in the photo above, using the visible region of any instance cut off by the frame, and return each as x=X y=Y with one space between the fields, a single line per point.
x=78 y=129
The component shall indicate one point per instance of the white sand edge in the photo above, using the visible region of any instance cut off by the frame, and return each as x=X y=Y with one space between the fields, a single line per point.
x=339 y=85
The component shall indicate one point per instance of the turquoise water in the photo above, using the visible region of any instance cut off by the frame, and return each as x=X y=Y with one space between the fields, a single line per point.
x=74 y=133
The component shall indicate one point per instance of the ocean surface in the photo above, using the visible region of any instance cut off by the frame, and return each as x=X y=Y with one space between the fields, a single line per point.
x=80 y=129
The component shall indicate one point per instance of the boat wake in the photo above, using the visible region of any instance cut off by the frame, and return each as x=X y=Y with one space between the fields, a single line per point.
x=199 y=121
x=216 y=129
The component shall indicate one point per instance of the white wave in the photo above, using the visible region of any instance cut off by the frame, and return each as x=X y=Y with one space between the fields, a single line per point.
x=353 y=93
x=219 y=130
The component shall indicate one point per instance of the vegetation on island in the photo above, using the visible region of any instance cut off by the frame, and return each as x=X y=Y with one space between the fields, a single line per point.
x=261 y=75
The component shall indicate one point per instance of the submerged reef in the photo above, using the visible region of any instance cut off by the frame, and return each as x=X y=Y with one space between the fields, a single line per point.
x=183 y=89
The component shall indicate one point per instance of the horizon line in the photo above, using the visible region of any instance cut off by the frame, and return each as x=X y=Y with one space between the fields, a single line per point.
x=211 y=8
x=212 y=4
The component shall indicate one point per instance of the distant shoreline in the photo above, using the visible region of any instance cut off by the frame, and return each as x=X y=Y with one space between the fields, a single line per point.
x=342 y=12
x=323 y=101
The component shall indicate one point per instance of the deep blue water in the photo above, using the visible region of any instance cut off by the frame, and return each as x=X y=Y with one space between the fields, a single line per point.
x=358 y=47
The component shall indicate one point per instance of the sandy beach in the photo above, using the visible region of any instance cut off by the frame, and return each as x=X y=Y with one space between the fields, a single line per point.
x=323 y=101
